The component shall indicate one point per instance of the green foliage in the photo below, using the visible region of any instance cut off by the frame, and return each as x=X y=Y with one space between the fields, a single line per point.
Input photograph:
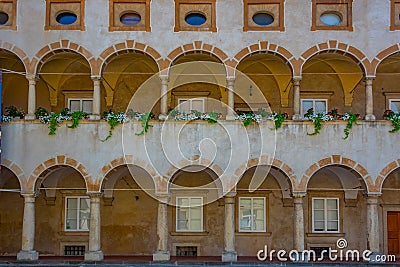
x=213 y=117
x=351 y=120
x=394 y=118
x=14 y=112
x=75 y=117
x=145 y=119
x=279 y=118
x=54 y=123
x=40 y=112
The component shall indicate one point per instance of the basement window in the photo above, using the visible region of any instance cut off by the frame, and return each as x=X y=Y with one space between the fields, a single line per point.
x=189 y=251
x=74 y=250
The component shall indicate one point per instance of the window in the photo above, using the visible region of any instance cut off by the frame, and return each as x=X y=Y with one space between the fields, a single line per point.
x=394 y=105
x=77 y=213
x=252 y=214
x=189 y=214
x=188 y=104
x=65 y=15
x=80 y=104
x=263 y=15
x=318 y=105
x=195 y=15
x=325 y=213
x=332 y=15
x=395 y=15
x=129 y=15
x=8 y=14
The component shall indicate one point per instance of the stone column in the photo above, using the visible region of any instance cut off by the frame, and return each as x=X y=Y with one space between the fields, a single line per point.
x=296 y=99
x=164 y=97
x=230 y=85
x=27 y=252
x=229 y=253
x=369 y=99
x=298 y=227
x=373 y=223
x=31 y=97
x=96 y=98
x=162 y=252
x=94 y=253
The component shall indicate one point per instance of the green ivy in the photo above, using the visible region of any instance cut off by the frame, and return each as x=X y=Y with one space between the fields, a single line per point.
x=113 y=122
x=75 y=117
x=54 y=123
x=279 y=118
x=145 y=118
x=352 y=120
x=213 y=117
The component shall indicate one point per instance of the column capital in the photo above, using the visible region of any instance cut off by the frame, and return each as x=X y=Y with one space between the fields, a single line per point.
x=163 y=197
x=164 y=77
x=373 y=199
x=95 y=194
x=369 y=78
x=230 y=194
x=29 y=194
x=32 y=78
x=296 y=80
x=298 y=195
x=96 y=77
x=230 y=80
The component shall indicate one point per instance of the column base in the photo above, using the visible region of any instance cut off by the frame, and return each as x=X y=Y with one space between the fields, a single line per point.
x=27 y=255
x=229 y=256
x=30 y=117
x=94 y=117
x=161 y=256
x=296 y=117
x=94 y=255
x=370 y=117
x=163 y=117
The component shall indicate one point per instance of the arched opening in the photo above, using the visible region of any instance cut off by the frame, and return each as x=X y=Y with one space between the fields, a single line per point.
x=64 y=82
x=62 y=210
x=11 y=214
x=14 y=83
x=197 y=82
x=128 y=213
x=386 y=90
x=390 y=205
x=196 y=215
x=332 y=81
x=258 y=217
x=123 y=73
x=335 y=207
x=272 y=76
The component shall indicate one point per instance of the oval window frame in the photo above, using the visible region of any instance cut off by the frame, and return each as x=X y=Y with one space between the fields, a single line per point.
x=263 y=13
x=127 y=13
x=331 y=13
x=6 y=16
x=66 y=12
x=196 y=13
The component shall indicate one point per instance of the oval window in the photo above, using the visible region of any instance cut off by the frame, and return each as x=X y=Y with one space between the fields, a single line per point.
x=3 y=18
x=66 y=18
x=130 y=18
x=263 y=19
x=331 y=19
x=195 y=19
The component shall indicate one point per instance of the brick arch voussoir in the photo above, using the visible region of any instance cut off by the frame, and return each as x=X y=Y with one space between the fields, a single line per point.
x=17 y=170
x=266 y=47
x=16 y=51
x=340 y=161
x=51 y=49
x=335 y=46
x=384 y=173
x=128 y=45
x=382 y=55
x=60 y=160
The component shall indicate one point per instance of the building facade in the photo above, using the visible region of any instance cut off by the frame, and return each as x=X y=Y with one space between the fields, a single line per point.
x=182 y=188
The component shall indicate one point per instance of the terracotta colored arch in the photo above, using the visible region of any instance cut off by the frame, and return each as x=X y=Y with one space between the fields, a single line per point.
x=199 y=162
x=392 y=166
x=269 y=161
x=60 y=161
x=337 y=47
x=269 y=48
x=17 y=170
x=127 y=160
x=196 y=46
x=16 y=51
x=125 y=47
x=382 y=56
x=336 y=160
x=61 y=46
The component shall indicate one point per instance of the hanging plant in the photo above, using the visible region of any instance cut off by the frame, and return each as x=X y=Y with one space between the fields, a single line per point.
x=12 y=112
x=351 y=120
x=394 y=118
x=53 y=120
x=113 y=120
x=317 y=119
x=210 y=117
x=145 y=118
x=260 y=115
x=278 y=119
x=75 y=117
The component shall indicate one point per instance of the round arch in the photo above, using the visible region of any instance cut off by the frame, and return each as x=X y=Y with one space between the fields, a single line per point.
x=337 y=160
x=382 y=55
x=17 y=170
x=60 y=161
x=384 y=173
x=17 y=52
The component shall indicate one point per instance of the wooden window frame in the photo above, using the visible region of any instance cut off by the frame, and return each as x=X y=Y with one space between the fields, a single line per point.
x=349 y=14
x=179 y=28
x=393 y=17
x=202 y=214
x=314 y=100
x=13 y=25
x=147 y=26
x=325 y=199
x=81 y=16
x=281 y=26
x=65 y=213
x=265 y=213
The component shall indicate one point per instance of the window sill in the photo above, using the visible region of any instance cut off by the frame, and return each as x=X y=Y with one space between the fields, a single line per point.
x=325 y=234
x=253 y=233
x=188 y=233
x=72 y=233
